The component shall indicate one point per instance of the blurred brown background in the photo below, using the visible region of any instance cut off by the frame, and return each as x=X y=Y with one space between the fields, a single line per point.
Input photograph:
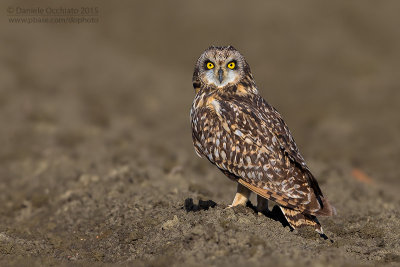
x=95 y=124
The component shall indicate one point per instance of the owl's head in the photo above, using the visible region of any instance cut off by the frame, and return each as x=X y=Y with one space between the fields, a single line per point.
x=220 y=66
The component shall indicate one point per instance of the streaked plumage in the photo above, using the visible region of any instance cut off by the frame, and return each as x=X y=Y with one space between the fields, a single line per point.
x=247 y=139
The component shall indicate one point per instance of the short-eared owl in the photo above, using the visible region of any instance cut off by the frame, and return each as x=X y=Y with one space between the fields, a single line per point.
x=247 y=139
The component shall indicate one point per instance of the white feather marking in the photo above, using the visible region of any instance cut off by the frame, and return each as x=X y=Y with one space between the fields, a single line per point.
x=238 y=133
x=248 y=141
x=226 y=127
x=216 y=106
x=216 y=153
x=223 y=155
x=198 y=154
x=248 y=160
x=292 y=195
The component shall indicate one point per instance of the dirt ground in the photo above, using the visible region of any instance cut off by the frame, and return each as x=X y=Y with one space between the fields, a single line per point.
x=96 y=159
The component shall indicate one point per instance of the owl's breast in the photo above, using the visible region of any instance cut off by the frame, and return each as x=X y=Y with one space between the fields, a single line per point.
x=208 y=128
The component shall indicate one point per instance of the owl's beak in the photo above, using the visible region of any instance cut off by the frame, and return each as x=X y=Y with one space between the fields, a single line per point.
x=220 y=75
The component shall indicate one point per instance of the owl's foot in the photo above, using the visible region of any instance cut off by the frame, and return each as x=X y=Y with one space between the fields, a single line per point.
x=241 y=197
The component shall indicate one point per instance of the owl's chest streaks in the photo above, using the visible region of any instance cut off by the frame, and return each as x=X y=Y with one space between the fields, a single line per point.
x=211 y=134
x=217 y=133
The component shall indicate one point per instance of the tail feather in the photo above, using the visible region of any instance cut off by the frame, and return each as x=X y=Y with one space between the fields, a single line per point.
x=327 y=208
x=296 y=219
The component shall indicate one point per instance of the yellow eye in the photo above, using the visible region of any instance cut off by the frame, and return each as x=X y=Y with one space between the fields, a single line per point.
x=231 y=65
x=210 y=65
